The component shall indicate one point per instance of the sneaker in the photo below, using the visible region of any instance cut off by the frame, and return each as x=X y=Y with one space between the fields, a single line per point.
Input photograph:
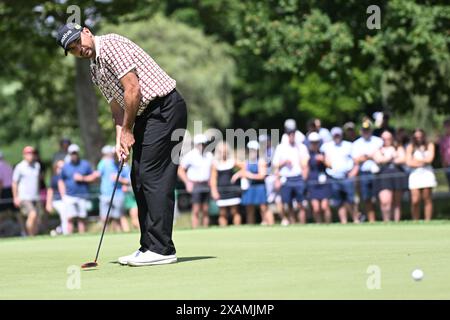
x=124 y=260
x=148 y=258
x=285 y=222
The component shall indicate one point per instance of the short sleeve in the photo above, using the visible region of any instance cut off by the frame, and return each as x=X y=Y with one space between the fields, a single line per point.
x=63 y=174
x=119 y=57
x=16 y=174
x=185 y=161
x=105 y=92
x=88 y=168
x=304 y=153
x=354 y=150
x=276 y=155
x=323 y=148
x=100 y=167
x=379 y=143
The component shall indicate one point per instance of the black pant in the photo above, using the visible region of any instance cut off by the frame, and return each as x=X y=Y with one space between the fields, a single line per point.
x=154 y=172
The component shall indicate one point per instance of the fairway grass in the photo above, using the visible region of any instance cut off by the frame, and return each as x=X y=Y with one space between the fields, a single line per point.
x=248 y=262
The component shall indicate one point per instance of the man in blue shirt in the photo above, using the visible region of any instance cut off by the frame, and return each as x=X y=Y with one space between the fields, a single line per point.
x=107 y=170
x=76 y=175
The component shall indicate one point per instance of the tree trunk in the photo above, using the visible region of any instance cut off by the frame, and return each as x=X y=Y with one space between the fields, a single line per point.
x=87 y=109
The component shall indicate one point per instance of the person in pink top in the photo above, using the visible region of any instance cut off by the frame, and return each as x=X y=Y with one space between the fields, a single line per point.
x=444 y=148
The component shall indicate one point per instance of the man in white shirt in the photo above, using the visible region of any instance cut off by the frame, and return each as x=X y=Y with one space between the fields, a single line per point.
x=25 y=189
x=341 y=170
x=195 y=171
x=364 y=148
x=290 y=163
x=291 y=125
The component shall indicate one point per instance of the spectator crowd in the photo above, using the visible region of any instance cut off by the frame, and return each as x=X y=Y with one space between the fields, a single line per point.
x=354 y=171
x=68 y=193
x=347 y=170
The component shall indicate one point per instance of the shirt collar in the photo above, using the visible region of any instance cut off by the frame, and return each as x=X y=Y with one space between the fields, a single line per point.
x=97 y=47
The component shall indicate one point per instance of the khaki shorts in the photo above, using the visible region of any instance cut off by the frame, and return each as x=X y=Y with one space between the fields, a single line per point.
x=26 y=206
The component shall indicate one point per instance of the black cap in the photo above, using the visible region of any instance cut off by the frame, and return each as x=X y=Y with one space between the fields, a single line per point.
x=67 y=34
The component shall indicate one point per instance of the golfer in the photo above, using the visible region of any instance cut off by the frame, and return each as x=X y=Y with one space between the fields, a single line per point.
x=146 y=109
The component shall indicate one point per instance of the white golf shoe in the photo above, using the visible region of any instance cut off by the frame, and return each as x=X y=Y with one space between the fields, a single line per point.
x=149 y=258
x=124 y=260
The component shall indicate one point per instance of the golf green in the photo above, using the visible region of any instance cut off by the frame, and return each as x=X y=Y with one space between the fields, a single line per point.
x=295 y=262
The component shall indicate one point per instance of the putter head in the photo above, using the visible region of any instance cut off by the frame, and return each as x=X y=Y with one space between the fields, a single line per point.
x=89 y=265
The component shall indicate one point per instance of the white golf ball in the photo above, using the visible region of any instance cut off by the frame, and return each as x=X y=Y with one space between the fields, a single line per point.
x=417 y=274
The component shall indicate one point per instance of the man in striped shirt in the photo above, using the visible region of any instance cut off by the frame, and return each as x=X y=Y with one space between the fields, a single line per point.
x=146 y=109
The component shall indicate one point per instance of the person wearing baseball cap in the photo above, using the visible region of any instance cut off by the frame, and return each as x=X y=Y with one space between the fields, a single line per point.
x=364 y=149
x=68 y=34
x=290 y=163
x=147 y=109
x=318 y=186
x=25 y=189
x=349 y=131
x=107 y=170
x=254 y=170
x=290 y=127
x=73 y=185
x=195 y=172
x=341 y=172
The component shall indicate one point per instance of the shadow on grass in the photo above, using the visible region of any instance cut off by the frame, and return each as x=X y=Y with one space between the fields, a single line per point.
x=182 y=259
x=187 y=259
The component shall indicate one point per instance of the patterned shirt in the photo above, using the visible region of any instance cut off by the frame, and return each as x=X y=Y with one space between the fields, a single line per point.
x=115 y=57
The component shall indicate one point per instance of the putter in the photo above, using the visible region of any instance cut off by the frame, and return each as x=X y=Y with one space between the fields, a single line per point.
x=94 y=263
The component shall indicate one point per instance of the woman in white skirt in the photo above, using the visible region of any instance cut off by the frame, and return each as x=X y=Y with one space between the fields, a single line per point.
x=419 y=156
x=224 y=188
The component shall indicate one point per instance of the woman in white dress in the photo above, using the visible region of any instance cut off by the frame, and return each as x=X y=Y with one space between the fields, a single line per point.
x=419 y=156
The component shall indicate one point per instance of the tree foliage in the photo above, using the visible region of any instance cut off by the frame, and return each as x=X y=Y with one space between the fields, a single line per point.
x=318 y=58
x=282 y=58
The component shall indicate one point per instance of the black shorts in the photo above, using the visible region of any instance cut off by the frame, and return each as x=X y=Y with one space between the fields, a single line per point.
x=390 y=178
x=200 y=193
x=6 y=200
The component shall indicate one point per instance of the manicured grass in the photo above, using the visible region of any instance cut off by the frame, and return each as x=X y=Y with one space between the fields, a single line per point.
x=297 y=262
